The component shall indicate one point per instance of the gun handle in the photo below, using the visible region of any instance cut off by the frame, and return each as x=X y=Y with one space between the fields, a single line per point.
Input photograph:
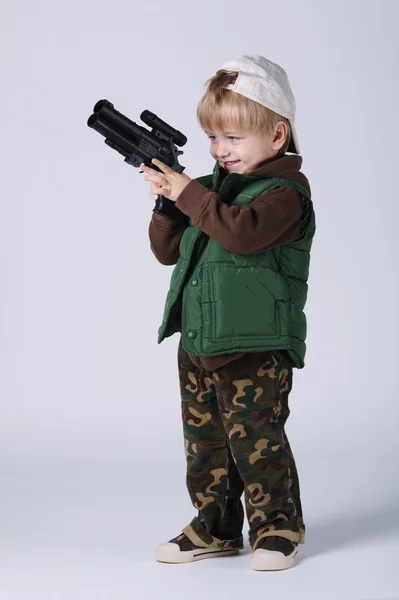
x=164 y=206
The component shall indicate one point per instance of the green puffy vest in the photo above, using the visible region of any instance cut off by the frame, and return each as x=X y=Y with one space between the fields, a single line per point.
x=233 y=302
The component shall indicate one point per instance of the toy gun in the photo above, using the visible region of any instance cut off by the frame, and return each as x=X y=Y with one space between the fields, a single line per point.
x=138 y=145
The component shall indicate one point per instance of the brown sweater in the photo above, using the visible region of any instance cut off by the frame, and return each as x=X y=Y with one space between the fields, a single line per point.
x=273 y=219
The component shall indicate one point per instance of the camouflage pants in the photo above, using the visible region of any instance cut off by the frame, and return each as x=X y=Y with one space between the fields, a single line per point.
x=234 y=438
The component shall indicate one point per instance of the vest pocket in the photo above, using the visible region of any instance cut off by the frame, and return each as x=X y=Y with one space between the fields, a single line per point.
x=243 y=302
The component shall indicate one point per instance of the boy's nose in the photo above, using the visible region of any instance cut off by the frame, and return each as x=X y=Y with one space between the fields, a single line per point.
x=222 y=153
x=222 y=150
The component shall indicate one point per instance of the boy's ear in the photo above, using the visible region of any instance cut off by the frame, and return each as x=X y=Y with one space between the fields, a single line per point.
x=280 y=134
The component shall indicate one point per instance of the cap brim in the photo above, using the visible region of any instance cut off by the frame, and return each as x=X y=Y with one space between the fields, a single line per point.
x=294 y=144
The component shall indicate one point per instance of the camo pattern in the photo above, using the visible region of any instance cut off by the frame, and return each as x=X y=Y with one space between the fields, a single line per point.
x=235 y=442
x=198 y=535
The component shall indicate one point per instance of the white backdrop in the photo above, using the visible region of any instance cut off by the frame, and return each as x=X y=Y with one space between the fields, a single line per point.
x=91 y=452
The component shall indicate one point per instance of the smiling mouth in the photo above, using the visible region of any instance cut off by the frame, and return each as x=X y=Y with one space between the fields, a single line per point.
x=231 y=163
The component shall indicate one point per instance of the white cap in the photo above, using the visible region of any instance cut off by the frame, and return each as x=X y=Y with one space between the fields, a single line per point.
x=267 y=83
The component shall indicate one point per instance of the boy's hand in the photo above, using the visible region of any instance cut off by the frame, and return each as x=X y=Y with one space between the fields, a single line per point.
x=168 y=183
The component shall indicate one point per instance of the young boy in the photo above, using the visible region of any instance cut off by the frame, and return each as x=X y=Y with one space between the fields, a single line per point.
x=241 y=238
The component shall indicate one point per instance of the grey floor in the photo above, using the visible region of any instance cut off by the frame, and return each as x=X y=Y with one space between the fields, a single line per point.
x=89 y=534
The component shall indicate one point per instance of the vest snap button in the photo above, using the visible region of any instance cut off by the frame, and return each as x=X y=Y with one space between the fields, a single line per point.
x=192 y=334
x=194 y=282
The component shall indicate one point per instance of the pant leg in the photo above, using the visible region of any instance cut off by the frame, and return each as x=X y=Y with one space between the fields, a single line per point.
x=253 y=394
x=213 y=482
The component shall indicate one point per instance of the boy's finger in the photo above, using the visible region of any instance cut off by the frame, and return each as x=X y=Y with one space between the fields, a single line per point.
x=149 y=170
x=158 y=181
x=164 y=168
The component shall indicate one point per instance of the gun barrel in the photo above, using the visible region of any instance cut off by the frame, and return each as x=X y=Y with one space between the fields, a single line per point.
x=109 y=133
x=135 y=142
x=107 y=114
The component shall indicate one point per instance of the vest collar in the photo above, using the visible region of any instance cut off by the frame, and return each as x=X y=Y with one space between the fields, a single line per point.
x=232 y=183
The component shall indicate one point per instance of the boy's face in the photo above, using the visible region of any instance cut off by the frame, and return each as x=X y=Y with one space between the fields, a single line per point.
x=250 y=150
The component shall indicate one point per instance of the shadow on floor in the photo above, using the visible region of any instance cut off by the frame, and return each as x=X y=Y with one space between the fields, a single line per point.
x=350 y=529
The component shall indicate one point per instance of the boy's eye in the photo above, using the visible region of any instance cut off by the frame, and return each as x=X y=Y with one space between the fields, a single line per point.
x=230 y=137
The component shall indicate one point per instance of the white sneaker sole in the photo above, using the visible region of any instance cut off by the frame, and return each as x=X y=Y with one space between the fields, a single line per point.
x=171 y=553
x=271 y=560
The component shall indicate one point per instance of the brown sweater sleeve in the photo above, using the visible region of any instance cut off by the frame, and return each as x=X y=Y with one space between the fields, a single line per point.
x=165 y=235
x=271 y=220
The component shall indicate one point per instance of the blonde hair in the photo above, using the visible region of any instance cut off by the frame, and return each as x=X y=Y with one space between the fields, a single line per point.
x=220 y=108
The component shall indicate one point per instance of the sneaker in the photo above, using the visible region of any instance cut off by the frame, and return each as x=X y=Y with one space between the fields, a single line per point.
x=182 y=550
x=274 y=553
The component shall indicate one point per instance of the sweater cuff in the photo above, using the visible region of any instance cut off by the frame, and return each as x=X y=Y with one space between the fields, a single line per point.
x=193 y=200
